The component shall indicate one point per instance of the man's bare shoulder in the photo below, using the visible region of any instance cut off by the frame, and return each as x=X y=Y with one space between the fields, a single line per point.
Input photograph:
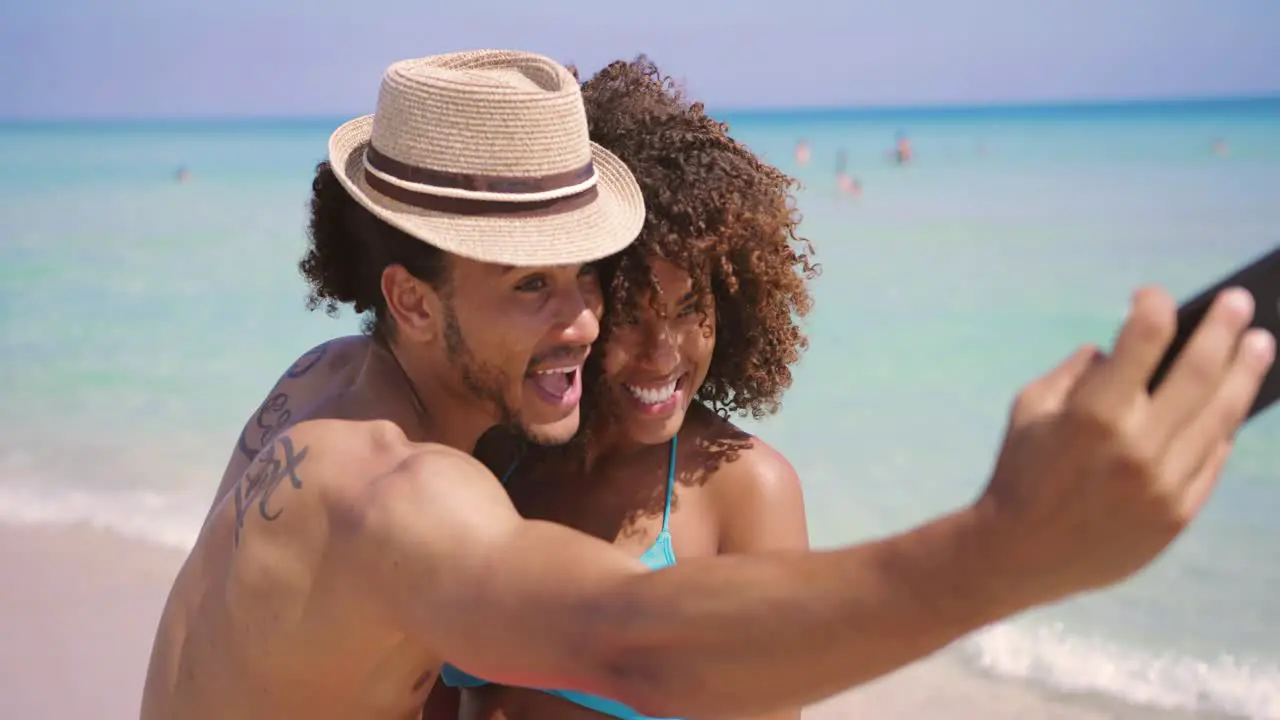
x=328 y=355
x=433 y=482
x=305 y=470
x=354 y=462
x=329 y=491
x=299 y=386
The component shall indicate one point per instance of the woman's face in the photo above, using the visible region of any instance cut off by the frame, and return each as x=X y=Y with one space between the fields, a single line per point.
x=654 y=365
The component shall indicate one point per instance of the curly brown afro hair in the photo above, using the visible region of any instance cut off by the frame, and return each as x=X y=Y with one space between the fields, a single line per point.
x=347 y=249
x=719 y=213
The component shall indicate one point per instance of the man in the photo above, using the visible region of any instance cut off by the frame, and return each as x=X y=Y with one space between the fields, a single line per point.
x=362 y=546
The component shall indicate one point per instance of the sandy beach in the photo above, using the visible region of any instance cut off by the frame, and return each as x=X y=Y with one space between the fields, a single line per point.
x=79 y=612
x=80 y=608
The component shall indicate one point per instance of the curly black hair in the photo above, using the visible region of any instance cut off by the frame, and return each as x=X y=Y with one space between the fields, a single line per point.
x=349 y=247
x=721 y=214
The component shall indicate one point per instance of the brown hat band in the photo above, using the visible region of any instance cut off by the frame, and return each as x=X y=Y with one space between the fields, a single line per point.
x=481 y=208
x=507 y=185
x=478 y=183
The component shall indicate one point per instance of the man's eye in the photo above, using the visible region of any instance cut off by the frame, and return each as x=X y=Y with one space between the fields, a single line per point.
x=535 y=283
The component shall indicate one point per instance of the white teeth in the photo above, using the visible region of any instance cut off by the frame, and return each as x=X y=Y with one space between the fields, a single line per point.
x=653 y=396
x=553 y=371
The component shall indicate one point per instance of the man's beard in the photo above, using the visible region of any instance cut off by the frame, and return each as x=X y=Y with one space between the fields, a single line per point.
x=484 y=382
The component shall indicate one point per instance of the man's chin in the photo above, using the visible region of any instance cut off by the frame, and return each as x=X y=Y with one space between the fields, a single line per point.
x=556 y=432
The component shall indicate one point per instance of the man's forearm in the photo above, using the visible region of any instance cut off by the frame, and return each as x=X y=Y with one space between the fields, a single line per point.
x=536 y=604
x=746 y=635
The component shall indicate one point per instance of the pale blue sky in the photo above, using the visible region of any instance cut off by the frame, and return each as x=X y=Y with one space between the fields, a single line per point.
x=278 y=57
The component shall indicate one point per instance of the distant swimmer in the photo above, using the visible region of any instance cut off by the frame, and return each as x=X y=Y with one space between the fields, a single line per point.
x=803 y=153
x=182 y=176
x=847 y=184
x=1220 y=147
x=902 y=149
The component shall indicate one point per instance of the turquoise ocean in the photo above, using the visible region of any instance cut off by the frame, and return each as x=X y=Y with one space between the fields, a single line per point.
x=142 y=319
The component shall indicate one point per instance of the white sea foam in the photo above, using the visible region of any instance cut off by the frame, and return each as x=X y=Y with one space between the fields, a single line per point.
x=1051 y=656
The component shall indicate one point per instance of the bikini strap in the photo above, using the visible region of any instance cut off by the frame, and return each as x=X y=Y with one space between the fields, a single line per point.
x=507 y=475
x=671 y=485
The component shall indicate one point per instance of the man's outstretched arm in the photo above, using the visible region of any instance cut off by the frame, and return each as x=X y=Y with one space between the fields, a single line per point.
x=537 y=604
x=1095 y=478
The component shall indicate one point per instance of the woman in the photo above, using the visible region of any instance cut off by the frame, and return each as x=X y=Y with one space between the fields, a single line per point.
x=702 y=325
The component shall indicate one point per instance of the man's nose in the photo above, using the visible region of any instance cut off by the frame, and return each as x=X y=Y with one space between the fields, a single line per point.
x=578 y=316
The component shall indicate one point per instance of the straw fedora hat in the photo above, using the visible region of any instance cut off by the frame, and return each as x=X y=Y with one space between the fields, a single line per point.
x=485 y=154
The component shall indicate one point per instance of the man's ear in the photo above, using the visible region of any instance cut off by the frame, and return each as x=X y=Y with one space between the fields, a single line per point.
x=413 y=304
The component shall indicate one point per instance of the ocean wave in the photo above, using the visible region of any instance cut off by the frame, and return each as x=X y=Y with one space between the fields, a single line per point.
x=168 y=520
x=1049 y=655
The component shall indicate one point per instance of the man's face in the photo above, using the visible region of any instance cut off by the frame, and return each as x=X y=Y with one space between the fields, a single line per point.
x=517 y=339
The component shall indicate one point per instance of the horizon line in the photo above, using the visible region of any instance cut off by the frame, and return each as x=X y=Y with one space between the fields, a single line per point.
x=1098 y=103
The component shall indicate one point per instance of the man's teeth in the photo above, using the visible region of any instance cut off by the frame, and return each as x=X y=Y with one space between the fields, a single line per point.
x=653 y=396
x=559 y=371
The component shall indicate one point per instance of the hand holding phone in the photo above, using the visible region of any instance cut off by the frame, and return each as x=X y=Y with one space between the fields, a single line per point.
x=1262 y=279
x=1097 y=475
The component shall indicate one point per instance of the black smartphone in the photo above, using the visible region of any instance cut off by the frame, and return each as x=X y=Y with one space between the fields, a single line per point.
x=1262 y=279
